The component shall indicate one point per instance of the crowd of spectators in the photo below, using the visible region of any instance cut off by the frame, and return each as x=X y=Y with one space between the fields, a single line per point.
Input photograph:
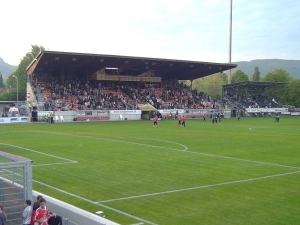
x=76 y=94
x=251 y=101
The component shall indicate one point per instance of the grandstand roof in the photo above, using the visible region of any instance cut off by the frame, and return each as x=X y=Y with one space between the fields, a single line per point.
x=87 y=64
x=254 y=84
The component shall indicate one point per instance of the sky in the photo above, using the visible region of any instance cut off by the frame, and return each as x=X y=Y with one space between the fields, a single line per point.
x=196 y=30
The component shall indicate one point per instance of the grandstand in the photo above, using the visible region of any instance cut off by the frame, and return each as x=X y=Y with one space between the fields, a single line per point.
x=63 y=81
x=249 y=94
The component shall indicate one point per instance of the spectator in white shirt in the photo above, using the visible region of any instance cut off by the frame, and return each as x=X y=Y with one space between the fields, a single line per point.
x=26 y=215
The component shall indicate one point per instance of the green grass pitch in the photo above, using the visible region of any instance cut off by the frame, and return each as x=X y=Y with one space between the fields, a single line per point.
x=237 y=172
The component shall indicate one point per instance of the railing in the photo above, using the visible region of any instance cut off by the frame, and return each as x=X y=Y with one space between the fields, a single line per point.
x=15 y=185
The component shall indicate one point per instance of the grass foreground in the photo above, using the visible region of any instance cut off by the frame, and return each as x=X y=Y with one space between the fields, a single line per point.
x=237 y=172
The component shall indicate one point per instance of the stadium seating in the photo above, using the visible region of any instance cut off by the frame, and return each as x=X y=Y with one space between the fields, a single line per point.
x=92 y=95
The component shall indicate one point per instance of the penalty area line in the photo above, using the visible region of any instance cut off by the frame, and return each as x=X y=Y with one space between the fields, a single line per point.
x=270 y=132
x=199 y=187
x=51 y=164
x=42 y=153
x=245 y=160
x=120 y=141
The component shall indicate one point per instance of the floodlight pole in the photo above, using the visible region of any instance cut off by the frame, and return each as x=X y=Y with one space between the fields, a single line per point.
x=17 y=91
x=230 y=41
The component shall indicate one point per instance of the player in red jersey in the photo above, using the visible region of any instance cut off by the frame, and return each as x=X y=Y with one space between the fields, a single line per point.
x=179 y=120
x=155 y=119
x=183 y=121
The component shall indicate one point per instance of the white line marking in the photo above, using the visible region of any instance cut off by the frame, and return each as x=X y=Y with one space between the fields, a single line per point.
x=271 y=132
x=245 y=160
x=199 y=187
x=51 y=164
x=114 y=140
x=96 y=203
x=42 y=153
x=185 y=148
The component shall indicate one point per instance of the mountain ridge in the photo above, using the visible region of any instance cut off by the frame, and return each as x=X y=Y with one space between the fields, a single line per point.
x=6 y=69
x=265 y=66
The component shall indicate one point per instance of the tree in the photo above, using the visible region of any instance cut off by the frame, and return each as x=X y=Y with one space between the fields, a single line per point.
x=239 y=76
x=211 y=85
x=224 y=78
x=1 y=81
x=8 y=95
x=21 y=74
x=278 y=75
x=256 y=74
x=281 y=94
x=291 y=96
x=294 y=93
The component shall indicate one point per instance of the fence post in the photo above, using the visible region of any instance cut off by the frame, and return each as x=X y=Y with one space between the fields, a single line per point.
x=66 y=221
x=28 y=179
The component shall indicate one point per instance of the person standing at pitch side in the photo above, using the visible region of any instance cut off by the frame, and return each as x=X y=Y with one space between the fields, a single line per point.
x=155 y=119
x=183 y=121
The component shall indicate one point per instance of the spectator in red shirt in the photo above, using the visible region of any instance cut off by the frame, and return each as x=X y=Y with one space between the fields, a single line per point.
x=42 y=213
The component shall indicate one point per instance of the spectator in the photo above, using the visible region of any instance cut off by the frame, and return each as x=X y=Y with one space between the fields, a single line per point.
x=36 y=204
x=42 y=213
x=2 y=216
x=26 y=215
x=52 y=218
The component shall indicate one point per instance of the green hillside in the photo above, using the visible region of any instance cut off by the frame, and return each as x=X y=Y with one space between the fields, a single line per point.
x=6 y=69
x=268 y=65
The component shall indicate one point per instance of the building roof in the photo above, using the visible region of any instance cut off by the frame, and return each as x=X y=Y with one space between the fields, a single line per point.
x=52 y=62
x=253 y=84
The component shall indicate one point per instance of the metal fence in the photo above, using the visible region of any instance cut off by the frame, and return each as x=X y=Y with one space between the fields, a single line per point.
x=15 y=185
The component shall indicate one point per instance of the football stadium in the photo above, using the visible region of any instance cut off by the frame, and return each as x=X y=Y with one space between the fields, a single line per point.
x=89 y=146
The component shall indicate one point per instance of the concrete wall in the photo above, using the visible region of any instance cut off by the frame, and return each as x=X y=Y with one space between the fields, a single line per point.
x=90 y=115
